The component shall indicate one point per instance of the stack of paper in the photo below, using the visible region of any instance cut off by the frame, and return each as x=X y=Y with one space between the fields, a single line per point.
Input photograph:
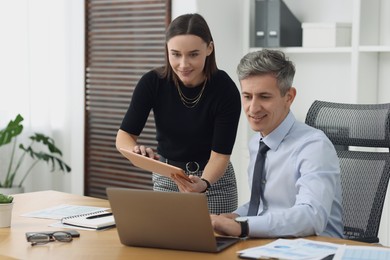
x=294 y=249
x=304 y=249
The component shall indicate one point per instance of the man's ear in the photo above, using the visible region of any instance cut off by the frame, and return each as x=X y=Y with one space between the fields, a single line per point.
x=291 y=93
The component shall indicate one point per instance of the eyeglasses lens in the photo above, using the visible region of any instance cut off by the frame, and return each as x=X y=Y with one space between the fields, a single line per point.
x=41 y=238
x=62 y=236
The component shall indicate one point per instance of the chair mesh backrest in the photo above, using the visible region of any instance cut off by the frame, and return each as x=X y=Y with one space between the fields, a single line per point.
x=364 y=172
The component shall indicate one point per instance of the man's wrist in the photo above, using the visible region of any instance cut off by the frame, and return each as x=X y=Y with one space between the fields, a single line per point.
x=243 y=221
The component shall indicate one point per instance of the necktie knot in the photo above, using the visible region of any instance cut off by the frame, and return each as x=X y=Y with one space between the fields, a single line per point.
x=263 y=148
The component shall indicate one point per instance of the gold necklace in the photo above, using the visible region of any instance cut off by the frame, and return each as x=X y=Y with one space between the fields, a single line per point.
x=191 y=102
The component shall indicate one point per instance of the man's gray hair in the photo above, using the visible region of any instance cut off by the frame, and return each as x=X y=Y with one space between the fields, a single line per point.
x=268 y=62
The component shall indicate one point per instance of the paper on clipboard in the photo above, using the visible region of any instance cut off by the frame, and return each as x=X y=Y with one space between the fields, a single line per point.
x=153 y=165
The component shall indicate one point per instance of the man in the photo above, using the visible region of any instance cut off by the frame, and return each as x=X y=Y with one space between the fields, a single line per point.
x=300 y=191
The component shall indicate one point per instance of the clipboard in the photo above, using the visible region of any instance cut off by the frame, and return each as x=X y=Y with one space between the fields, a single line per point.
x=153 y=165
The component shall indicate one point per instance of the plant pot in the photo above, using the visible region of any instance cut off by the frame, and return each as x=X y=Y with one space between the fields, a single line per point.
x=5 y=214
x=13 y=190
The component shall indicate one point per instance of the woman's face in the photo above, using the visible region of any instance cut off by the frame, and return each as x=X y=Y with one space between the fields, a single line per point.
x=187 y=55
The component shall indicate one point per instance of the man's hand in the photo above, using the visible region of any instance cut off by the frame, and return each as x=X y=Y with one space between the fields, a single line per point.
x=225 y=224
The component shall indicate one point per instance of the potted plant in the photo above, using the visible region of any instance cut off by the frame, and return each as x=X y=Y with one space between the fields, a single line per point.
x=47 y=152
x=6 y=204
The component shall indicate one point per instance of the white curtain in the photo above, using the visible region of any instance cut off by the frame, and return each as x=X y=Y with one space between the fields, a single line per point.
x=41 y=66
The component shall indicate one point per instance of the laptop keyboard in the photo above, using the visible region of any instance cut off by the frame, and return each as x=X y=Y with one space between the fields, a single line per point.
x=221 y=241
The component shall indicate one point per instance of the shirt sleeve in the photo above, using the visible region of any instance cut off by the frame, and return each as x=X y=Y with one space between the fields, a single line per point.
x=242 y=210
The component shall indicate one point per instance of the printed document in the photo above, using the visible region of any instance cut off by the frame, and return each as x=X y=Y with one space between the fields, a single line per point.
x=62 y=211
x=363 y=253
x=291 y=249
x=304 y=249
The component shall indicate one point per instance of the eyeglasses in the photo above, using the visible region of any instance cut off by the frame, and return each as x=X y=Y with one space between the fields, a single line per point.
x=44 y=238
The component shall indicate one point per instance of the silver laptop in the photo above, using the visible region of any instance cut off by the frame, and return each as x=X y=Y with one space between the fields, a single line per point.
x=170 y=220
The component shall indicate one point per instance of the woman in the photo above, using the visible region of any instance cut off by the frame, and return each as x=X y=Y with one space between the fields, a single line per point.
x=196 y=108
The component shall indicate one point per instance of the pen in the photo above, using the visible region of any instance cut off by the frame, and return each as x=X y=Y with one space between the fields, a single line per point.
x=100 y=216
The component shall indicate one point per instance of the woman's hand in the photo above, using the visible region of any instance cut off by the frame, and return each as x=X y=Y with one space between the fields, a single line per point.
x=213 y=171
x=146 y=151
x=129 y=142
x=196 y=184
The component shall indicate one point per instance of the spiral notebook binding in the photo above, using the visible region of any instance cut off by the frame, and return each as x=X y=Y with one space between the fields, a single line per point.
x=83 y=215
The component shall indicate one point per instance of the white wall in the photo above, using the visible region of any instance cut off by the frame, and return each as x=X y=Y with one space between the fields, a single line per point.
x=76 y=91
x=41 y=66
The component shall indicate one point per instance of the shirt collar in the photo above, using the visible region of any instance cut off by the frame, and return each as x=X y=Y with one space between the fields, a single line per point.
x=273 y=139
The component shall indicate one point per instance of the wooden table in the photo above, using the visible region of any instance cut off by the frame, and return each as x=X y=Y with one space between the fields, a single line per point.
x=92 y=244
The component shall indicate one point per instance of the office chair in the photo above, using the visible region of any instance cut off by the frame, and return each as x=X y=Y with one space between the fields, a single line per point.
x=360 y=134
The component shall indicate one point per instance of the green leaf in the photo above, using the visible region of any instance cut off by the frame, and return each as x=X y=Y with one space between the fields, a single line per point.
x=13 y=129
x=6 y=198
x=50 y=155
x=48 y=158
x=49 y=142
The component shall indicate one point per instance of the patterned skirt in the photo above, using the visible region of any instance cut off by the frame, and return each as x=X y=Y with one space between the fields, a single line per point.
x=222 y=197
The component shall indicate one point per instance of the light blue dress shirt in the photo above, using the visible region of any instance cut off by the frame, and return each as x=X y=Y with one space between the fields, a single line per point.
x=302 y=187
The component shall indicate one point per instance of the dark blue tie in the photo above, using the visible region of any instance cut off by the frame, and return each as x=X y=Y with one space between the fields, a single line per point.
x=258 y=181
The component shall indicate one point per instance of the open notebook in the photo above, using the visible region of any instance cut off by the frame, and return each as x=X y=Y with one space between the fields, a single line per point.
x=171 y=220
x=97 y=220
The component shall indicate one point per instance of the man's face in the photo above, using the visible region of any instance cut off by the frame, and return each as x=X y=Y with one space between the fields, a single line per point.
x=263 y=104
